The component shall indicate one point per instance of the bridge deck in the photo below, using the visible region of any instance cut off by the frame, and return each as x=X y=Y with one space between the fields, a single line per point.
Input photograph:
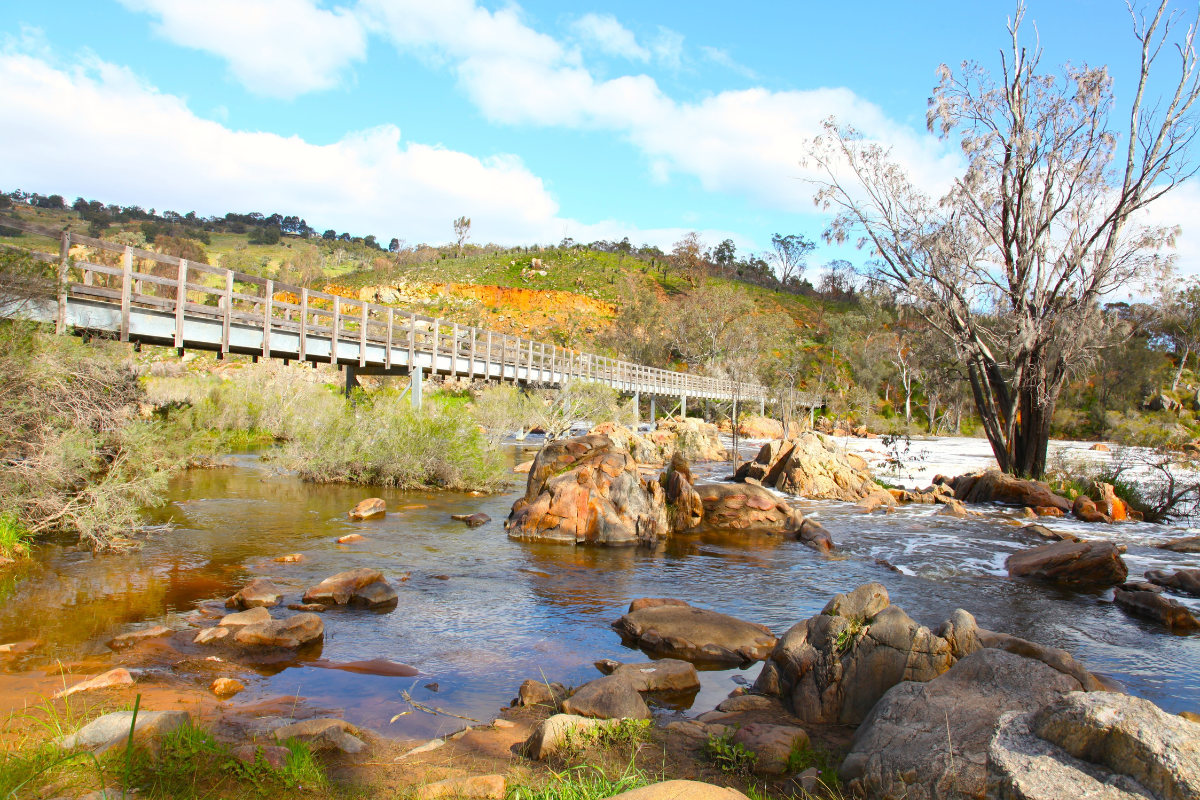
x=183 y=304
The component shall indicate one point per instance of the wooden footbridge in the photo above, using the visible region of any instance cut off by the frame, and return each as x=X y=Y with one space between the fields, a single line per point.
x=158 y=299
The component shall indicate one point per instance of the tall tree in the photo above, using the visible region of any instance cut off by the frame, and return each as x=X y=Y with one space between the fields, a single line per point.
x=790 y=255
x=1011 y=266
x=688 y=257
x=1179 y=321
x=462 y=232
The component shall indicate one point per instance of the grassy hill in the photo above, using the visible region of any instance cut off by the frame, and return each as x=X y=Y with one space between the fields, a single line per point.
x=567 y=295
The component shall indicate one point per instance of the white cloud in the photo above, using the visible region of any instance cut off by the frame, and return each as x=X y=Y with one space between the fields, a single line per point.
x=97 y=131
x=722 y=58
x=668 y=47
x=609 y=36
x=276 y=48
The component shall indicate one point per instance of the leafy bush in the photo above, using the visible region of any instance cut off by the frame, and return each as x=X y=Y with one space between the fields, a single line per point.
x=727 y=756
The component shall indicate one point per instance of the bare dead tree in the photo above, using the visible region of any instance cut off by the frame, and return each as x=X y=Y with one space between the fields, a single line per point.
x=1011 y=265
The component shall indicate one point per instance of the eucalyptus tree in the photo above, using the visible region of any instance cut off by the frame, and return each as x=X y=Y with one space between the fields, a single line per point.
x=1011 y=266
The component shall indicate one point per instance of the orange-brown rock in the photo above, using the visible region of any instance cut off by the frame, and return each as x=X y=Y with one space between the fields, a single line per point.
x=371 y=508
x=587 y=490
x=1110 y=505
x=1085 y=509
x=995 y=486
x=809 y=466
x=745 y=508
x=696 y=634
x=1048 y=511
x=1097 y=563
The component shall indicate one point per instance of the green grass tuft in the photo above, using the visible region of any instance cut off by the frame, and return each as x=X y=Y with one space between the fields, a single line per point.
x=14 y=537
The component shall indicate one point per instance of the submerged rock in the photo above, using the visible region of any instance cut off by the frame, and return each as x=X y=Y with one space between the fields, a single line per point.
x=132 y=638
x=1184 y=580
x=371 y=508
x=1095 y=563
x=472 y=520
x=696 y=634
x=930 y=739
x=341 y=588
x=1152 y=604
x=1186 y=544
x=260 y=592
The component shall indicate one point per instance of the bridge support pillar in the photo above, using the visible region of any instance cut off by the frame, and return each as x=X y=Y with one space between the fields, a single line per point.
x=762 y=406
x=707 y=411
x=653 y=413
x=351 y=379
x=637 y=409
x=811 y=418
x=415 y=378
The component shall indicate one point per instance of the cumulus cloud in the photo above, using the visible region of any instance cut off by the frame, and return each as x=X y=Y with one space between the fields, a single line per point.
x=609 y=36
x=95 y=129
x=720 y=57
x=276 y=48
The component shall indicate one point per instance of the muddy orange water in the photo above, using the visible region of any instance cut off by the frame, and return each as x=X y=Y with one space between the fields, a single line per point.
x=480 y=613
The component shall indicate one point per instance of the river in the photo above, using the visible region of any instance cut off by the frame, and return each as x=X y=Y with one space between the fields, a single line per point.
x=480 y=613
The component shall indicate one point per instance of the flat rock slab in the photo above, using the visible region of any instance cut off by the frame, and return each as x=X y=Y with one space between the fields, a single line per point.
x=290 y=633
x=681 y=790
x=132 y=638
x=1151 y=604
x=241 y=619
x=696 y=634
x=375 y=595
x=323 y=734
x=472 y=520
x=111 y=730
x=485 y=787
x=259 y=593
x=748 y=702
x=664 y=675
x=114 y=677
x=338 y=589
x=1090 y=563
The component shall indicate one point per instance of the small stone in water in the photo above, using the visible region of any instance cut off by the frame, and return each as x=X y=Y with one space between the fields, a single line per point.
x=310 y=607
x=440 y=577
x=290 y=558
x=349 y=538
x=226 y=687
x=433 y=687
x=739 y=679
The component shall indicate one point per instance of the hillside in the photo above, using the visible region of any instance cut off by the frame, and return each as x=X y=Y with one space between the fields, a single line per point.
x=566 y=295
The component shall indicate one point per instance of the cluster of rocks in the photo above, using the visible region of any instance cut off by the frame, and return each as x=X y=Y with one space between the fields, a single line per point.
x=590 y=490
x=1146 y=598
x=688 y=437
x=811 y=466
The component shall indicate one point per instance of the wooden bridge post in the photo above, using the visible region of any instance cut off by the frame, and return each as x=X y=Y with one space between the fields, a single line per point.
x=228 y=318
x=387 y=356
x=268 y=309
x=337 y=324
x=126 y=288
x=64 y=257
x=412 y=341
x=180 y=301
x=474 y=336
x=437 y=343
x=304 y=324
x=487 y=370
x=362 y=334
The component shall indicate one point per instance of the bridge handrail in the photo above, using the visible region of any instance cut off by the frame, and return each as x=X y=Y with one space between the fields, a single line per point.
x=342 y=326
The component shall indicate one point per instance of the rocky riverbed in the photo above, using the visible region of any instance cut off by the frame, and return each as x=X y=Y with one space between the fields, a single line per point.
x=476 y=612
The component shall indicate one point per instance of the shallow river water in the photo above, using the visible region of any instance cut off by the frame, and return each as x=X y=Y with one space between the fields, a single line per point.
x=480 y=613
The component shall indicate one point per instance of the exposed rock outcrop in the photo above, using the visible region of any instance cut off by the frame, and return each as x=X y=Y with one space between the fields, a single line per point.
x=809 y=466
x=928 y=740
x=587 y=490
x=371 y=508
x=258 y=592
x=1153 y=605
x=363 y=586
x=835 y=666
x=695 y=634
x=745 y=508
x=1090 y=563
x=995 y=486
x=1184 y=580
x=1100 y=745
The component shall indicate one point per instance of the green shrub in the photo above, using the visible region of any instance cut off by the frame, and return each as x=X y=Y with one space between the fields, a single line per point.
x=725 y=755
x=582 y=783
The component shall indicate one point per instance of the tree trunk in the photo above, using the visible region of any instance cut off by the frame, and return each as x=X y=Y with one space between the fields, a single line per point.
x=932 y=411
x=1179 y=372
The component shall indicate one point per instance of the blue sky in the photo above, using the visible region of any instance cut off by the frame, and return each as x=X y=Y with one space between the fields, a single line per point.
x=537 y=120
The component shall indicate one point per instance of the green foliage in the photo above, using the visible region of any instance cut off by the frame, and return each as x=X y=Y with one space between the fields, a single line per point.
x=723 y=753
x=14 y=537
x=582 y=783
x=805 y=756
x=501 y=410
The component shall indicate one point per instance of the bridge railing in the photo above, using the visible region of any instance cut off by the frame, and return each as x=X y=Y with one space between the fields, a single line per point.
x=137 y=278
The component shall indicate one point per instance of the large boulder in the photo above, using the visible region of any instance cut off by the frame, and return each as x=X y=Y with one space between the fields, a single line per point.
x=771 y=745
x=929 y=740
x=809 y=466
x=586 y=491
x=550 y=736
x=1186 y=544
x=664 y=675
x=681 y=790
x=352 y=586
x=1102 y=745
x=1089 y=563
x=694 y=439
x=695 y=634
x=995 y=486
x=111 y=731
x=834 y=667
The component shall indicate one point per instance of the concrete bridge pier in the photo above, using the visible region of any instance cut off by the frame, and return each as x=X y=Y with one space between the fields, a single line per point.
x=683 y=405
x=637 y=409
